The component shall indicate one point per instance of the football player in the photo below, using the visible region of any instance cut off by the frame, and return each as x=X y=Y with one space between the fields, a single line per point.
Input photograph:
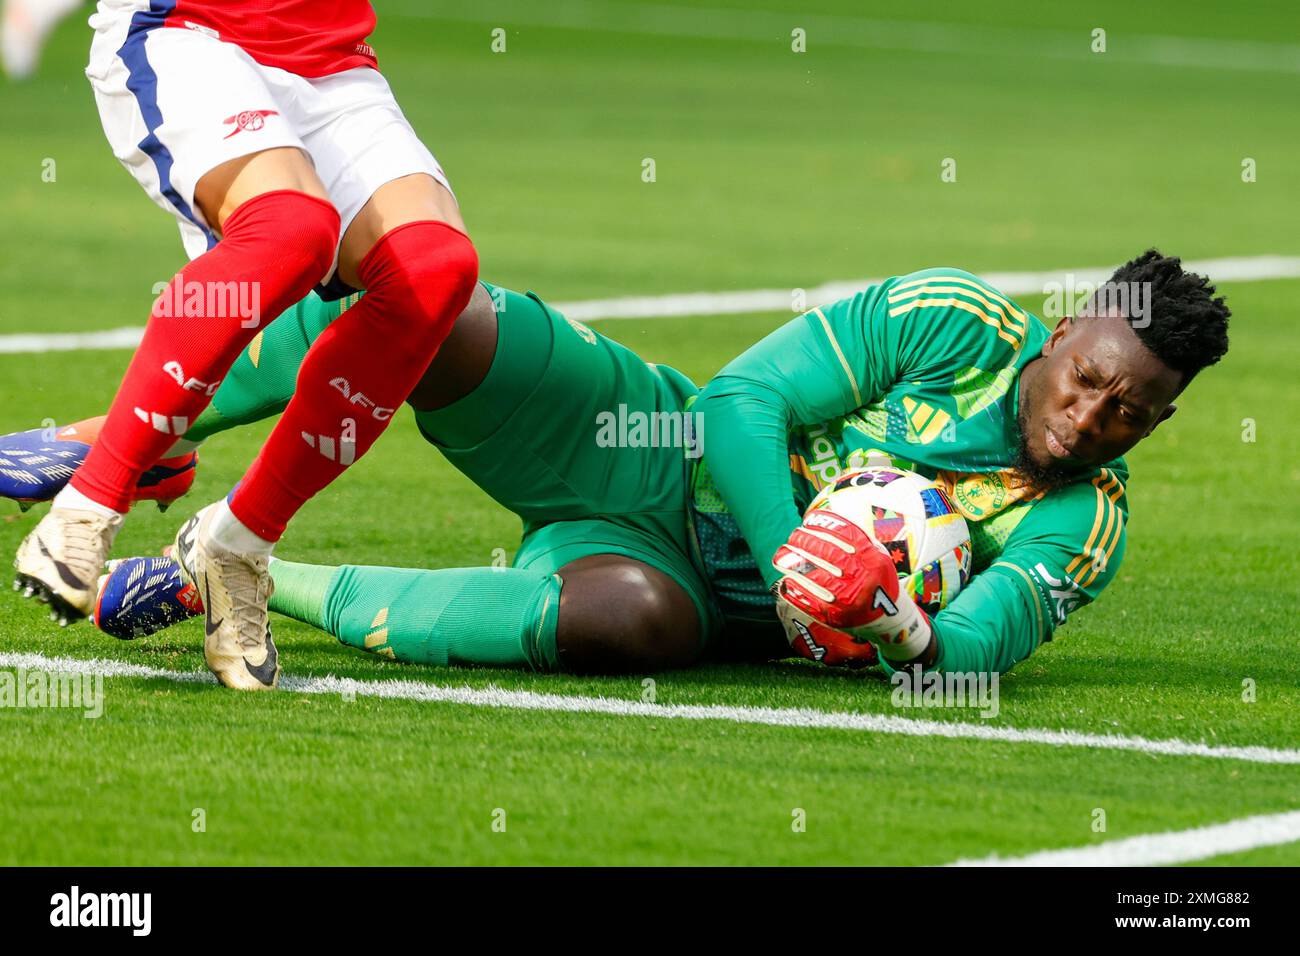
x=638 y=553
x=267 y=131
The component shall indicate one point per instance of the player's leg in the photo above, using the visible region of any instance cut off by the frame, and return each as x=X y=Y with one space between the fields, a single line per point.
x=404 y=244
x=621 y=615
x=35 y=465
x=275 y=229
x=262 y=380
x=585 y=595
x=604 y=613
x=606 y=520
x=261 y=235
x=601 y=613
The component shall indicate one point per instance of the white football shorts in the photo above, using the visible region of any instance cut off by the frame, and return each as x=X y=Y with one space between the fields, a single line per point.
x=176 y=103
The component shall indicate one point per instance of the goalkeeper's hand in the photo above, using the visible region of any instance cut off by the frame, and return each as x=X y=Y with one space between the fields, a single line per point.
x=839 y=576
x=815 y=641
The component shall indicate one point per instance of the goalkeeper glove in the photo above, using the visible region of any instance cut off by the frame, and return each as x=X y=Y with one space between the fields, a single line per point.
x=841 y=577
x=816 y=641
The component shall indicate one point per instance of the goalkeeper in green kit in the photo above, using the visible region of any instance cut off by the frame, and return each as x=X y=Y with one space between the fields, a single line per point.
x=663 y=524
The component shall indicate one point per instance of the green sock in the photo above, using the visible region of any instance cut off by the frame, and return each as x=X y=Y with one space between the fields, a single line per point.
x=499 y=617
x=300 y=591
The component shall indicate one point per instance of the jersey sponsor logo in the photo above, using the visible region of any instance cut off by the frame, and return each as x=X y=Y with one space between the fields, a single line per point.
x=251 y=120
x=1062 y=593
x=824 y=466
x=378 y=412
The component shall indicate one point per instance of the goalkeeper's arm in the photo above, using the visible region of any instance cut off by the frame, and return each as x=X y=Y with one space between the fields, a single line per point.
x=789 y=378
x=1001 y=617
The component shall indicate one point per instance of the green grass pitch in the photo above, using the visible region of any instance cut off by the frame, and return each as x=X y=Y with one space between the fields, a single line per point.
x=774 y=169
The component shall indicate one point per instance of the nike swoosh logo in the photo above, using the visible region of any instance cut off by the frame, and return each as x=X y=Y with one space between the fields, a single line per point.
x=265 y=671
x=65 y=572
x=209 y=627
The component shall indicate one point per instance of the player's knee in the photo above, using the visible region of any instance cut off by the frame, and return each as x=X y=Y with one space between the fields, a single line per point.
x=433 y=268
x=316 y=226
x=303 y=229
x=659 y=629
x=626 y=618
x=295 y=231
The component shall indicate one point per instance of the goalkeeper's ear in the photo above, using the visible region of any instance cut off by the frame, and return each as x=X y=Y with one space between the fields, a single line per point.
x=1168 y=412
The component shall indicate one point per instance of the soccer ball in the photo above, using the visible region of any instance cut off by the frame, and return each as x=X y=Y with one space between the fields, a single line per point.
x=915 y=521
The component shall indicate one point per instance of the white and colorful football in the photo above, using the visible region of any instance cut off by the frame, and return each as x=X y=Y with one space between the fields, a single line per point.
x=916 y=522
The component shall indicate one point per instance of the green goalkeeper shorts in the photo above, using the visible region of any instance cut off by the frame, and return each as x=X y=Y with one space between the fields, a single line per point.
x=590 y=445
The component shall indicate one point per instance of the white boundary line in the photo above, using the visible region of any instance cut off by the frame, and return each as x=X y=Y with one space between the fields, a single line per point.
x=1163 y=849
x=767 y=716
x=126 y=338
x=1235 y=269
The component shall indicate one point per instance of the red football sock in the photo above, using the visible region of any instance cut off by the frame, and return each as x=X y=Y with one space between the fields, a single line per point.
x=418 y=278
x=275 y=248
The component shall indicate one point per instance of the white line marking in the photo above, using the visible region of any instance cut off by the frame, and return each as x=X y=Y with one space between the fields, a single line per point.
x=1163 y=849
x=127 y=338
x=1236 y=269
x=773 y=717
x=948 y=39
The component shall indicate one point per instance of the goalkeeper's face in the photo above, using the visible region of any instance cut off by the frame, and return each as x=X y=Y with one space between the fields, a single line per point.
x=1095 y=393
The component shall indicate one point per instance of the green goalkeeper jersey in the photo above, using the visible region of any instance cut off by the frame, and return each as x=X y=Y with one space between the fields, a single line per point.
x=923 y=369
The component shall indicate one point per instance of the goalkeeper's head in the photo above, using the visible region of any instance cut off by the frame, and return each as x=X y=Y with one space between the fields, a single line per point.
x=1109 y=375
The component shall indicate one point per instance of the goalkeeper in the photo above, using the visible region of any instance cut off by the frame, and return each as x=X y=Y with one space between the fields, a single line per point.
x=638 y=553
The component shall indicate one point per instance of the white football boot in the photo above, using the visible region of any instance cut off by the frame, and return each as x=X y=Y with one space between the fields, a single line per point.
x=61 y=560
x=234 y=589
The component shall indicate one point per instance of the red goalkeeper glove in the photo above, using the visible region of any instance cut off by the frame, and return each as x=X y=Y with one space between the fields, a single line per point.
x=839 y=576
x=811 y=639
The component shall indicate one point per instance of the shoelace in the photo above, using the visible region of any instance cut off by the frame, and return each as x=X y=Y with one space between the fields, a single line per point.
x=85 y=544
x=249 y=589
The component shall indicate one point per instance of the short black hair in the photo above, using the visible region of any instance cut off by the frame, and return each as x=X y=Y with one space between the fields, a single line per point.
x=1188 y=326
